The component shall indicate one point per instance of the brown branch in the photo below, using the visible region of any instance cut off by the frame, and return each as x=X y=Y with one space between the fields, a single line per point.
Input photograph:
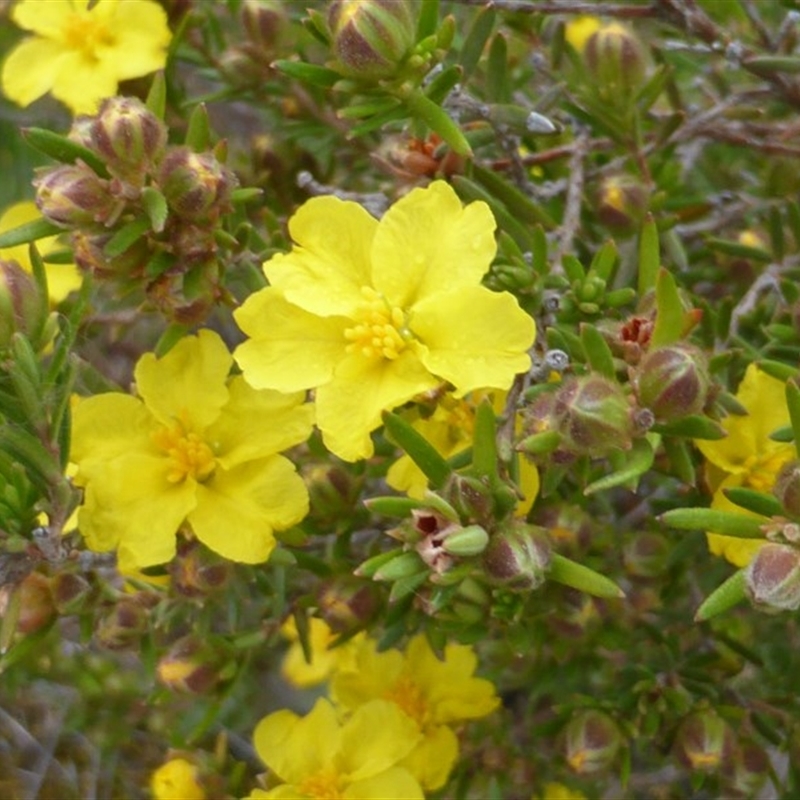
x=568 y=7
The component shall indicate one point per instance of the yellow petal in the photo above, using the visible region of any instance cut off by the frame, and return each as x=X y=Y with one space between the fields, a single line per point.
x=241 y=434
x=82 y=82
x=428 y=243
x=238 y=510
x=188 y=383
x=475 y=338
x=396 y=783
x=324 y=273
x=31 y=69
x=142 y=36
x=289 y=349
x=433 y=759
x=349 y=407
x=46 y=19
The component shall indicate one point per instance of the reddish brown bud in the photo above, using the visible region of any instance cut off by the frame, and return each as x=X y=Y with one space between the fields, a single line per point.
x=518 y=556
x=72 y=195
x=673 y=381
x=71 y=592
x=621 y=203
x=123 y=626
x=191 y=665
x=348 y=604
x=772 y=578
x=20 y=302
x=263 y=21
x=197 y=572
x=787 y=488
x=32 y=602
x=593 y=741
x=704 y=741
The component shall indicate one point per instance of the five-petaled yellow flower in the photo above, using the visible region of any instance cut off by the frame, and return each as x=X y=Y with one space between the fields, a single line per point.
x=193 y=448
x=81 y=50
x=318 y=758
x=433 y=693
x=178 y=779
x=747 y=456
x=371 y=313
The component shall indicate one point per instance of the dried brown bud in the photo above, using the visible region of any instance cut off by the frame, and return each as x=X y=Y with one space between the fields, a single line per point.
x=593 y=741
x=518 y=556
x=772 y=578
x=72 y=195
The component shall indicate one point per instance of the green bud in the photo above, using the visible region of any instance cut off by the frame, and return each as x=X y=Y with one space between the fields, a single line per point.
x=518 y=556
x=19 y=301
x=772 y=578
x=263 y=21
x=787 y=488
x=593 y=741
x=704 y=741
x=72 y=195
x=129 y=138
x=673 y=381
x=196 y=185
x=616 y=59
x=466 y=542
x=371 y=38
x=593 y=416
x=191 y=665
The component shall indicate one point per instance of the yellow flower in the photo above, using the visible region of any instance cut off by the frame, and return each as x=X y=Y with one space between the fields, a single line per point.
x=372 y=313
x=61 y=278
x=557 y=791
x=449 y=429
x=578 y=30
x=747 y=456
x=432 y=693
x=82 y=50
x=325 y=660
x=176 y=780
x=195 y=448
x=316 y=756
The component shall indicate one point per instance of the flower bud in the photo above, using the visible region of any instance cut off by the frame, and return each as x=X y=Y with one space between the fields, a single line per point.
x=517 y=557
x=191 y=665
x=262 y=21
x=71 y=592
x=787 y=488
x=704 y=741
x=593 y=416
x=348 y=604
x=333 y=491
x=646 y=555
x=123 y=626
x=20 y=304
x=616 y=59
x=129 y=137
x=772 y=578
x=470 y=497
x=751 y=767
x=621 y=203
x=197 y=187
x=593 y=741
x=177 y=778
x=72 y=195
x=197 y=572
x=32 y=602
x=466 y=542
x=673 y=381
x=371 y=38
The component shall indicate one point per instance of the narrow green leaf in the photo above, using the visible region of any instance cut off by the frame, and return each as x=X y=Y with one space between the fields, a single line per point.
x=393 y=506
x=793 y=404
x=484 y=447
x=680 y=459
x=598 y=353
x=126 y=236
x=155 y=204
x=638 y=460
x=438 y=89
x=28 y=232
x=372 y=565
x=769 y=65
x=767 y=505
x=723 y=598
x=497 y=85
x=401 y=566
x=438 y=120
x=695 y=426
x=776 y=234
x=726 y=523
x=669 y=314
x=377 y=105
x=517 y=203
x=403 y=587
x=421 y=452
x=539 y=250
x=569 y=573
x=739 y=250
x=198 y=131
x=540 y=443
x=475 y=41
x=605 y=260
x=174 y=332
x=777 y=369
x=307 y=73
x=573 y=269
x=62 y=149
x=157 y=96
x=649 y=255
x=428 y=19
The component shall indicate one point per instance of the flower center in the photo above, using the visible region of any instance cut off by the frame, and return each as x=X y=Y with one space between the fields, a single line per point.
x=189 y=456
x=764 y=468
x=324 y=785
x=87 y=34
x=408 y=696
x=379 y=330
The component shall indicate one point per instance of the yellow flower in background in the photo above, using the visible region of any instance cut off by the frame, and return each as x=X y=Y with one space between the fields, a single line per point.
x=61 y=278
x=325 y=660
x=317 y=756
x=372 y=313
x=450 y=429
x=81 y=50
x=194 y=447
x=578 y=30
x=432 y=693
x=557 y=791
x=178 y=779
x=747 y=456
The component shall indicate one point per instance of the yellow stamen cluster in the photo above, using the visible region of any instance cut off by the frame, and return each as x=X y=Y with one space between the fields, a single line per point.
x=322 y=786
x=763 y=469
x=408 y=696
x=85 y=33
x=379 y=330
x=189 y=456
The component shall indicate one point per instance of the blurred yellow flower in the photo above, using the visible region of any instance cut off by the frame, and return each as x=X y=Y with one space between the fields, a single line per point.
x=81 y=49
x=557 y=791
x=61 y=278
x=176 y=780
x=325 y=660
x=578 y=30
x=194 y=447
x=317 y=757
x=747 y=456
x=432 y=693
x=371 y=313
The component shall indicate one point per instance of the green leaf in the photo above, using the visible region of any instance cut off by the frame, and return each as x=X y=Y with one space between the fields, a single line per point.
x=428 y=19
x=540 y=443
x=680 y=459
x=401 y=566
x=694 y=426
x=484 y=448
x=157 y=96
x=421 y=452
x=793 y=404
x=126 y=237
x=198 y=132
x=739 y=250
x=517 y=203
x=669 y=311
x=769 y=65
x=438 y=89
x=649 y=255
x=393 y=506
x=726 y=523
x=569 y=573
x=403 y=587
x=723 y=598
x=372 y=565
x=475 y=41
x=29 y=232
x=598 y=353
x=638 y=460
x=307 y=73
x=63 y=149
x=605 y=260
x=766 y=505
x=437 y=119
x=573 y=268
x=497 y=84
x=155 y=204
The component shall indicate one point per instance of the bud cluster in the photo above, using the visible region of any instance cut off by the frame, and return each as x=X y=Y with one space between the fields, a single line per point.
x=145 y=214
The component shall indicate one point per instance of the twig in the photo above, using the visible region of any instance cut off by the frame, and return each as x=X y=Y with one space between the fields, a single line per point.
x=567 y=7
x=572 y=207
